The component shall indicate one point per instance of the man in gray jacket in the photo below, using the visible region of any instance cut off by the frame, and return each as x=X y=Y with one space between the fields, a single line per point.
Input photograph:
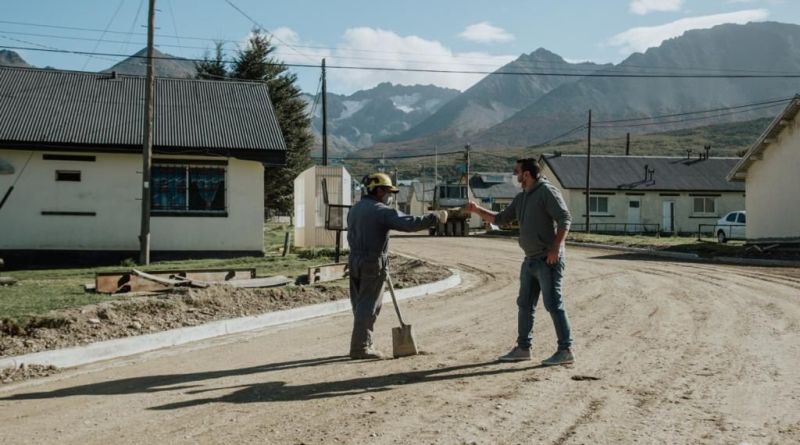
x=544 y=221
x=368 y=225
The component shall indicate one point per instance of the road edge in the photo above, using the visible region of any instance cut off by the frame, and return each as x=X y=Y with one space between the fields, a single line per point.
x=689 y=256
x=126 y=346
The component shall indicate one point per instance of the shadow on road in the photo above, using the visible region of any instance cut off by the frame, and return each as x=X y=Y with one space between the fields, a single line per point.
x=281 y=392
x=158 y=383
x=274 y=391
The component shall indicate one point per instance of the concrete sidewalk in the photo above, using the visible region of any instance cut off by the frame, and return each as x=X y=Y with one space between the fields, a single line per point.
x=105 y=350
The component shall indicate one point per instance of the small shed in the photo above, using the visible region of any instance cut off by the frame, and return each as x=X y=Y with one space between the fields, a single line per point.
x=309 y=204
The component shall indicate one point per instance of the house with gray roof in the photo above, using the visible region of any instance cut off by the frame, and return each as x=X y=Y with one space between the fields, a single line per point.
x=493 y=190
x=646 y=193
x=769 y=171
x=71 y=147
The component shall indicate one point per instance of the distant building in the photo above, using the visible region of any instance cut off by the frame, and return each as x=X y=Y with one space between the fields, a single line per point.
x=770 y=170
x=71 y=147
x=644 y=193
x=493 y=190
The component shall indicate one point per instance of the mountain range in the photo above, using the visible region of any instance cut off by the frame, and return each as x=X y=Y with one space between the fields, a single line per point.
x=540 y=96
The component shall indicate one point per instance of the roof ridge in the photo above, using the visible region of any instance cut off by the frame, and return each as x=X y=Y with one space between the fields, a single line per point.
x=105 y=74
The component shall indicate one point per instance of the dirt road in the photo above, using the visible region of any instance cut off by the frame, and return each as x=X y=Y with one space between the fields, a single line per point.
x=667 y=353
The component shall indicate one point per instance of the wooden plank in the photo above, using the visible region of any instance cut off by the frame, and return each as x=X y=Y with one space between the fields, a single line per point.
x=157 y=279
x=111 y=282
x=327 y=272
x=275 y=281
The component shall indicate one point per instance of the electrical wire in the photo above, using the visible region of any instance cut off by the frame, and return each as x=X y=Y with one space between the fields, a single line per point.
x=108 y=25
x=264 y=28
x=439 y=71
x=770 y=101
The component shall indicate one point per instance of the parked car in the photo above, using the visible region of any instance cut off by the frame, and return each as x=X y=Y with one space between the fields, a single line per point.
x=731 y=226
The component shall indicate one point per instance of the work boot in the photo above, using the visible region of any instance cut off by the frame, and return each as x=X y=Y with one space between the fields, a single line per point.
x=367 y=354
x=561 y=357
x=517 y=354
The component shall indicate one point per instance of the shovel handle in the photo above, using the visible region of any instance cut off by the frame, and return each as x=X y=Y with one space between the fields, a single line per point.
x=394 y=299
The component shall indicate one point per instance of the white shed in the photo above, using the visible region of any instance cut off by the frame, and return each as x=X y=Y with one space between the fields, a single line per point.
x=309 y=204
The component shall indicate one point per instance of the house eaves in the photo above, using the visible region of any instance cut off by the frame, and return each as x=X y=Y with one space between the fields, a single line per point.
x=755 y=152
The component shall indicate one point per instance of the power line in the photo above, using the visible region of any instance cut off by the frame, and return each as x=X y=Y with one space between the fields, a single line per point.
x=711 y=110
x=694 y=118
x=264 y=28
x=437 y=71
x=108 y=25
x=345 y=49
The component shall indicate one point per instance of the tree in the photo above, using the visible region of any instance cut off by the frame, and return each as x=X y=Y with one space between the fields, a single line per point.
x=255 y=62
x=213 y=68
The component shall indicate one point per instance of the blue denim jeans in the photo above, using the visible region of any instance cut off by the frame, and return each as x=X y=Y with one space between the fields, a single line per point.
x=535 y=277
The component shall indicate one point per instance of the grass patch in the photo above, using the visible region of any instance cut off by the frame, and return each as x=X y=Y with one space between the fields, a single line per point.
x=705 y=247
x=42 y=290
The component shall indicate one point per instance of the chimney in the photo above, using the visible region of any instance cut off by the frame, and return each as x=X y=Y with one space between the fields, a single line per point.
x=628 y=145
x=646 y=169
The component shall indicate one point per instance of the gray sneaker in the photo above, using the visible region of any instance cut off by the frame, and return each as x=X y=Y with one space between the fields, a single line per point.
x=516 y=355
x=561 y=357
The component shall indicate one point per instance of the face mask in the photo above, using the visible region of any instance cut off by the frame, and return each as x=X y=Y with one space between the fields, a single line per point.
x=388 y=199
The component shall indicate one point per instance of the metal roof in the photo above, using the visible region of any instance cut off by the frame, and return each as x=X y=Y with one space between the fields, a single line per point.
x=628 y=173
x=489 y=185
x=739 y=171
x=82 y=111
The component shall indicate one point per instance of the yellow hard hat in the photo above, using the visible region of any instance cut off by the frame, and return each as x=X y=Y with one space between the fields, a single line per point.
x=379 y=180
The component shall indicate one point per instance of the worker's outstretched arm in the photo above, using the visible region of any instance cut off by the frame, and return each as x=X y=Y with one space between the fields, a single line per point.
x=396 y=220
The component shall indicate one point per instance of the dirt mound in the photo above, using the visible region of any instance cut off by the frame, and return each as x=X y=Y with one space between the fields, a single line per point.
x=182 y=308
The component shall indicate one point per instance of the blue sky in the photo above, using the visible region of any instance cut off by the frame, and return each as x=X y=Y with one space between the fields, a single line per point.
x=463 y=35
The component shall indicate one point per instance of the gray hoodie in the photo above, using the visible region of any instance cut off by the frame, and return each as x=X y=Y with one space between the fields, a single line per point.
x=539 y=211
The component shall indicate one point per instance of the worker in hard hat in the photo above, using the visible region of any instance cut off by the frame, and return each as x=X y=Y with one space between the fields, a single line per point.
x=368 y=225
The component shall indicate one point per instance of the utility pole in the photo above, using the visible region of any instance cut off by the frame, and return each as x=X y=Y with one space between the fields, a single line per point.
x=435 y=175
x=324 y=116
x=147 y=149
x=466 y=159
x=588 y=171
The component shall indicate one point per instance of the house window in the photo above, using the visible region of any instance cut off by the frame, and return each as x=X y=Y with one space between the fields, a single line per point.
x=598 y=204
x=68 y=175
x=188 y=189
x=705 y=205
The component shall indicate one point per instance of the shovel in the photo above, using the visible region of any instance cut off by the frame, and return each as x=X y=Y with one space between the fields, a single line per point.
x=403 y=343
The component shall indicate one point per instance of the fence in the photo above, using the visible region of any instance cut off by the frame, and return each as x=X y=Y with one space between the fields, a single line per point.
x=613 y=228
x=729 y=231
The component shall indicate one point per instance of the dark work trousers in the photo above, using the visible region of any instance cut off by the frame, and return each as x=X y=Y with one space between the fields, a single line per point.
x=367 y=276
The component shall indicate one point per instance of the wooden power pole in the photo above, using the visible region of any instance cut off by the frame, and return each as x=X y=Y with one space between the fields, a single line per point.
x=147 y=149
x=588 y=171
x=324 y=116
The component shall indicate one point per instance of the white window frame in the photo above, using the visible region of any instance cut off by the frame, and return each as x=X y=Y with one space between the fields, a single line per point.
x=707 y=210
x=594 y=205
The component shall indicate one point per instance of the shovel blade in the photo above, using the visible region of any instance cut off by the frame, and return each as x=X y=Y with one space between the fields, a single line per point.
x=403 y=342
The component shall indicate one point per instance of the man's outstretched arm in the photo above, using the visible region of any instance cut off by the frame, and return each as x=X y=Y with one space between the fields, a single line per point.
x=485 y=214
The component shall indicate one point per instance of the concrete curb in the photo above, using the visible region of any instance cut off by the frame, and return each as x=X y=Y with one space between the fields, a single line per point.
x=690 y=256
x=120 y=347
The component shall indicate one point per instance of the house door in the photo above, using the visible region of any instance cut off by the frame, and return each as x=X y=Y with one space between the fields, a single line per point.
x=668 y=216
x=634 y=215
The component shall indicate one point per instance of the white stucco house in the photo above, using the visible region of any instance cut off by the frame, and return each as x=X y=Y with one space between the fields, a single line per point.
x=71 y=147
x=770 y=170
x=646 y=193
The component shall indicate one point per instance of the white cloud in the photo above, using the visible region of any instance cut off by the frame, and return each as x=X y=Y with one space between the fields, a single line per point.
x=485 y=32
x=373 y=47
x=639 y=39
x=642 y=7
